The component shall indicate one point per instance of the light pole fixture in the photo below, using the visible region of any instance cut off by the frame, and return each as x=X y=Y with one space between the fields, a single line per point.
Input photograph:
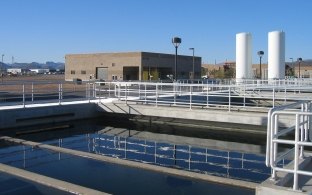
x=260 y=54
x=176 y=41
x=193 y=73
x=299 y=61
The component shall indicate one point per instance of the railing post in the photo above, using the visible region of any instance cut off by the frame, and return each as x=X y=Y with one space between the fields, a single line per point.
x=296 y=160
x=175 y=93
x=207 y=94
x=285 y=95
x=273 y=99
x=191 y=97
x=139 y=91
x=93 y=91
x=126 y=93
x=32 y=91
x=145 y=93
x=119 y=90
x=229 y=98
x=156 y=94
x=109 y=89
x=59 y=93
x=86 y=90
x=244 y=95
x=303 y=128
x=24 y=95
x=89 y=92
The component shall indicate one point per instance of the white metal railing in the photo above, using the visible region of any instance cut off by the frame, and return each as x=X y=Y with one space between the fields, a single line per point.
x=226 y=94
x=43 y=92
x=301 y=113
x=264 y=94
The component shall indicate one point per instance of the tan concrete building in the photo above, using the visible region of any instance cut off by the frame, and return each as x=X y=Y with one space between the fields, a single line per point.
x=130 y=66
x=291 y=69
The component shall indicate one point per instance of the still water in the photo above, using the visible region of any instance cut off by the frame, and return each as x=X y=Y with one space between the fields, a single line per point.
x=118 y=142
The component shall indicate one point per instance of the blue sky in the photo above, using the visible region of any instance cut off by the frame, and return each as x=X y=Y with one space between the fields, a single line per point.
x=47 y=30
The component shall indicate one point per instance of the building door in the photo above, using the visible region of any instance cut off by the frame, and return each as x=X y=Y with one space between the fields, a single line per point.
x=102 y=73
x=130 y=73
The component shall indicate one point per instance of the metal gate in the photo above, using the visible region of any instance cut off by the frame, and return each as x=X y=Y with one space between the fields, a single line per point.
x=102 y=73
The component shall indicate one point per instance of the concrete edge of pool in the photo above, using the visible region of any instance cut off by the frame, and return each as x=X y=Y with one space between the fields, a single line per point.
x=48 y=181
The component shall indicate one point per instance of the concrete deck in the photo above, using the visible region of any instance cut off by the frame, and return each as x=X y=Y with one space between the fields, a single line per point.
x=239 y=116
x=284 y=182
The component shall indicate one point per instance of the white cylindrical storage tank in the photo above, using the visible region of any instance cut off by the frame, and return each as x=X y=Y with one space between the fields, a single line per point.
x=276 y=55
x=243 y=56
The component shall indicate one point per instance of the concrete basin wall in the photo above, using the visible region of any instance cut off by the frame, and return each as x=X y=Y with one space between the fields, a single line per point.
x=19 y=117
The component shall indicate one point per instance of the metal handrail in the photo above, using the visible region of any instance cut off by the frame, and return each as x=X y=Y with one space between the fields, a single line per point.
x=228 y=94
x=301 y=112
x=209 y=94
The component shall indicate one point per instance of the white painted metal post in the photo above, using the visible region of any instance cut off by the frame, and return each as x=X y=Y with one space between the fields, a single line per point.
x=207 y=94
x=309 y=121
x=229 y=98
x=119 y=91
x=59 y=93
x=139 y=91
x=32 y=92
x=145 y=93
x=273 y=99
x=24 y=95
x=156 y=94
x=285 y=95
x=109 y=89
x=126 y=94
x=191 y=97
x=244 y=95
x=175 y=93
x=93 y=90
x=296 y=160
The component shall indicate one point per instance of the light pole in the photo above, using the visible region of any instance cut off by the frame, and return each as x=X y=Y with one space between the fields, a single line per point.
x=176 y=41
x=299 y=61
x=260 y=54
x=292 y=64
x=193 y=73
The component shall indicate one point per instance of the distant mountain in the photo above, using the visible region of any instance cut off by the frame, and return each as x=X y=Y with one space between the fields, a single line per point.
x=3 y=66
x=36 y=65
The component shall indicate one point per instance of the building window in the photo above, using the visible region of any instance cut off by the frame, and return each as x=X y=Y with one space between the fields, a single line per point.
x=114 y=77
x=113 y=64
x=72 y=72
x=83 y=72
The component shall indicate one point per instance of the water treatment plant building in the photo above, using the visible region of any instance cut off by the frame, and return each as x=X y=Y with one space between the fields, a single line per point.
x=130 y=66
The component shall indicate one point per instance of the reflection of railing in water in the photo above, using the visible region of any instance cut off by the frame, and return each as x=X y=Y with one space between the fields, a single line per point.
x=222 y=163
x=228 y=164
x=27 y=156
